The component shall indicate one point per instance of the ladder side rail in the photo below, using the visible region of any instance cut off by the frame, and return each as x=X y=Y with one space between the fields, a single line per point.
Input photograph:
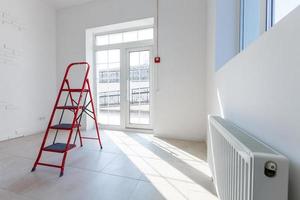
x=89 y=113
x=93 y=109
x=85 y=109
x=73 y=102
x=69 y=88
x=91 y=116
x=79 y=120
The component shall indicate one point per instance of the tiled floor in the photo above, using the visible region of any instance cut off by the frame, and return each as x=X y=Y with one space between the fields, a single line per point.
x=131 y=166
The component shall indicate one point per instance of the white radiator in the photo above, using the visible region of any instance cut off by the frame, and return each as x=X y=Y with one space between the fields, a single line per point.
x=244 y=168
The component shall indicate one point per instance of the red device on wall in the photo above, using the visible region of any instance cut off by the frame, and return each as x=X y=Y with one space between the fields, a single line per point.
x=157 y=59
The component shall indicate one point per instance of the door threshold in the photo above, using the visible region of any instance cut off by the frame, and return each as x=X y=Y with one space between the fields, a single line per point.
x=133 y=130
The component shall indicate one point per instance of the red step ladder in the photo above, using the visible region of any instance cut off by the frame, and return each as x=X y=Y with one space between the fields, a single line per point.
x=78 y=108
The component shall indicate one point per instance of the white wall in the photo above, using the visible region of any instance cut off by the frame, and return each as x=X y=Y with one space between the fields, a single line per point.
x=259 y=91
x=179 y=107
x=27 y=63
x=212 y=103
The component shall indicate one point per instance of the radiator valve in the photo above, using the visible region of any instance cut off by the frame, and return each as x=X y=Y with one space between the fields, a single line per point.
x=270 y=169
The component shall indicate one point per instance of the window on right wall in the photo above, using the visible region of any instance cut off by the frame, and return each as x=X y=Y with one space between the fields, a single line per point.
x=254 y=14
x=250 y=16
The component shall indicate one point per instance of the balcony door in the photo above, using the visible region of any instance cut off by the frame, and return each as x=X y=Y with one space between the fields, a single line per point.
x=123 y=79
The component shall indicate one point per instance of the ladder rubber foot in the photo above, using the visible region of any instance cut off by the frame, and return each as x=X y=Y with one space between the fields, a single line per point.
x=61 y=174
x=33 y=169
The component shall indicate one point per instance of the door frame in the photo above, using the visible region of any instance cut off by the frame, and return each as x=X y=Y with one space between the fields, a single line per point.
x=123 y=82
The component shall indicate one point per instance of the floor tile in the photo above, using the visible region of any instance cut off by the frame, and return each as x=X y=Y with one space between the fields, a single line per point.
x=156 y=188
x=79 y=184
x=6 y=195
x=90 y=160
x=124 y=166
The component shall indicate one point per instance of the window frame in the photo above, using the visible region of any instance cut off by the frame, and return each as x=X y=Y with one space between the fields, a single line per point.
x=262 y=18
x=269 y=14
x=123 y=43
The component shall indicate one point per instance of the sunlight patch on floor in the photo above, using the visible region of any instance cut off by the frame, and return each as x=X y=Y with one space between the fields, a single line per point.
x=166 y=166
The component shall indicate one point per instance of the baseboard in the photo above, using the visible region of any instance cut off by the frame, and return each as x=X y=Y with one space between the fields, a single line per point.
x=193 y=139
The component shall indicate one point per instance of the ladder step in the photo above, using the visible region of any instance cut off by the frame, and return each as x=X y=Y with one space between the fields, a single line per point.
x=68 y=107
x=64 y=126
x=74 y=90
x=59 y=147
x=48 y=165
x=89 y=138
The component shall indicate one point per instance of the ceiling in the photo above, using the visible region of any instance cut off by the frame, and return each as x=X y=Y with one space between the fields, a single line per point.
x=59 y=4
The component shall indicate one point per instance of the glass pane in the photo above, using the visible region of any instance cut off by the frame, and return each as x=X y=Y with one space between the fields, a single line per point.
x=102 y=66
x=130 y=36
x=114 y=56
x=115 y=38
x=139 y=88
x=102 y=40
x=113 y=66
x=144 y=58
x=108 y=87
x=134 y=59
x=251 y=22
x=283 y=8
x=101 y=57
x=146 y=34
